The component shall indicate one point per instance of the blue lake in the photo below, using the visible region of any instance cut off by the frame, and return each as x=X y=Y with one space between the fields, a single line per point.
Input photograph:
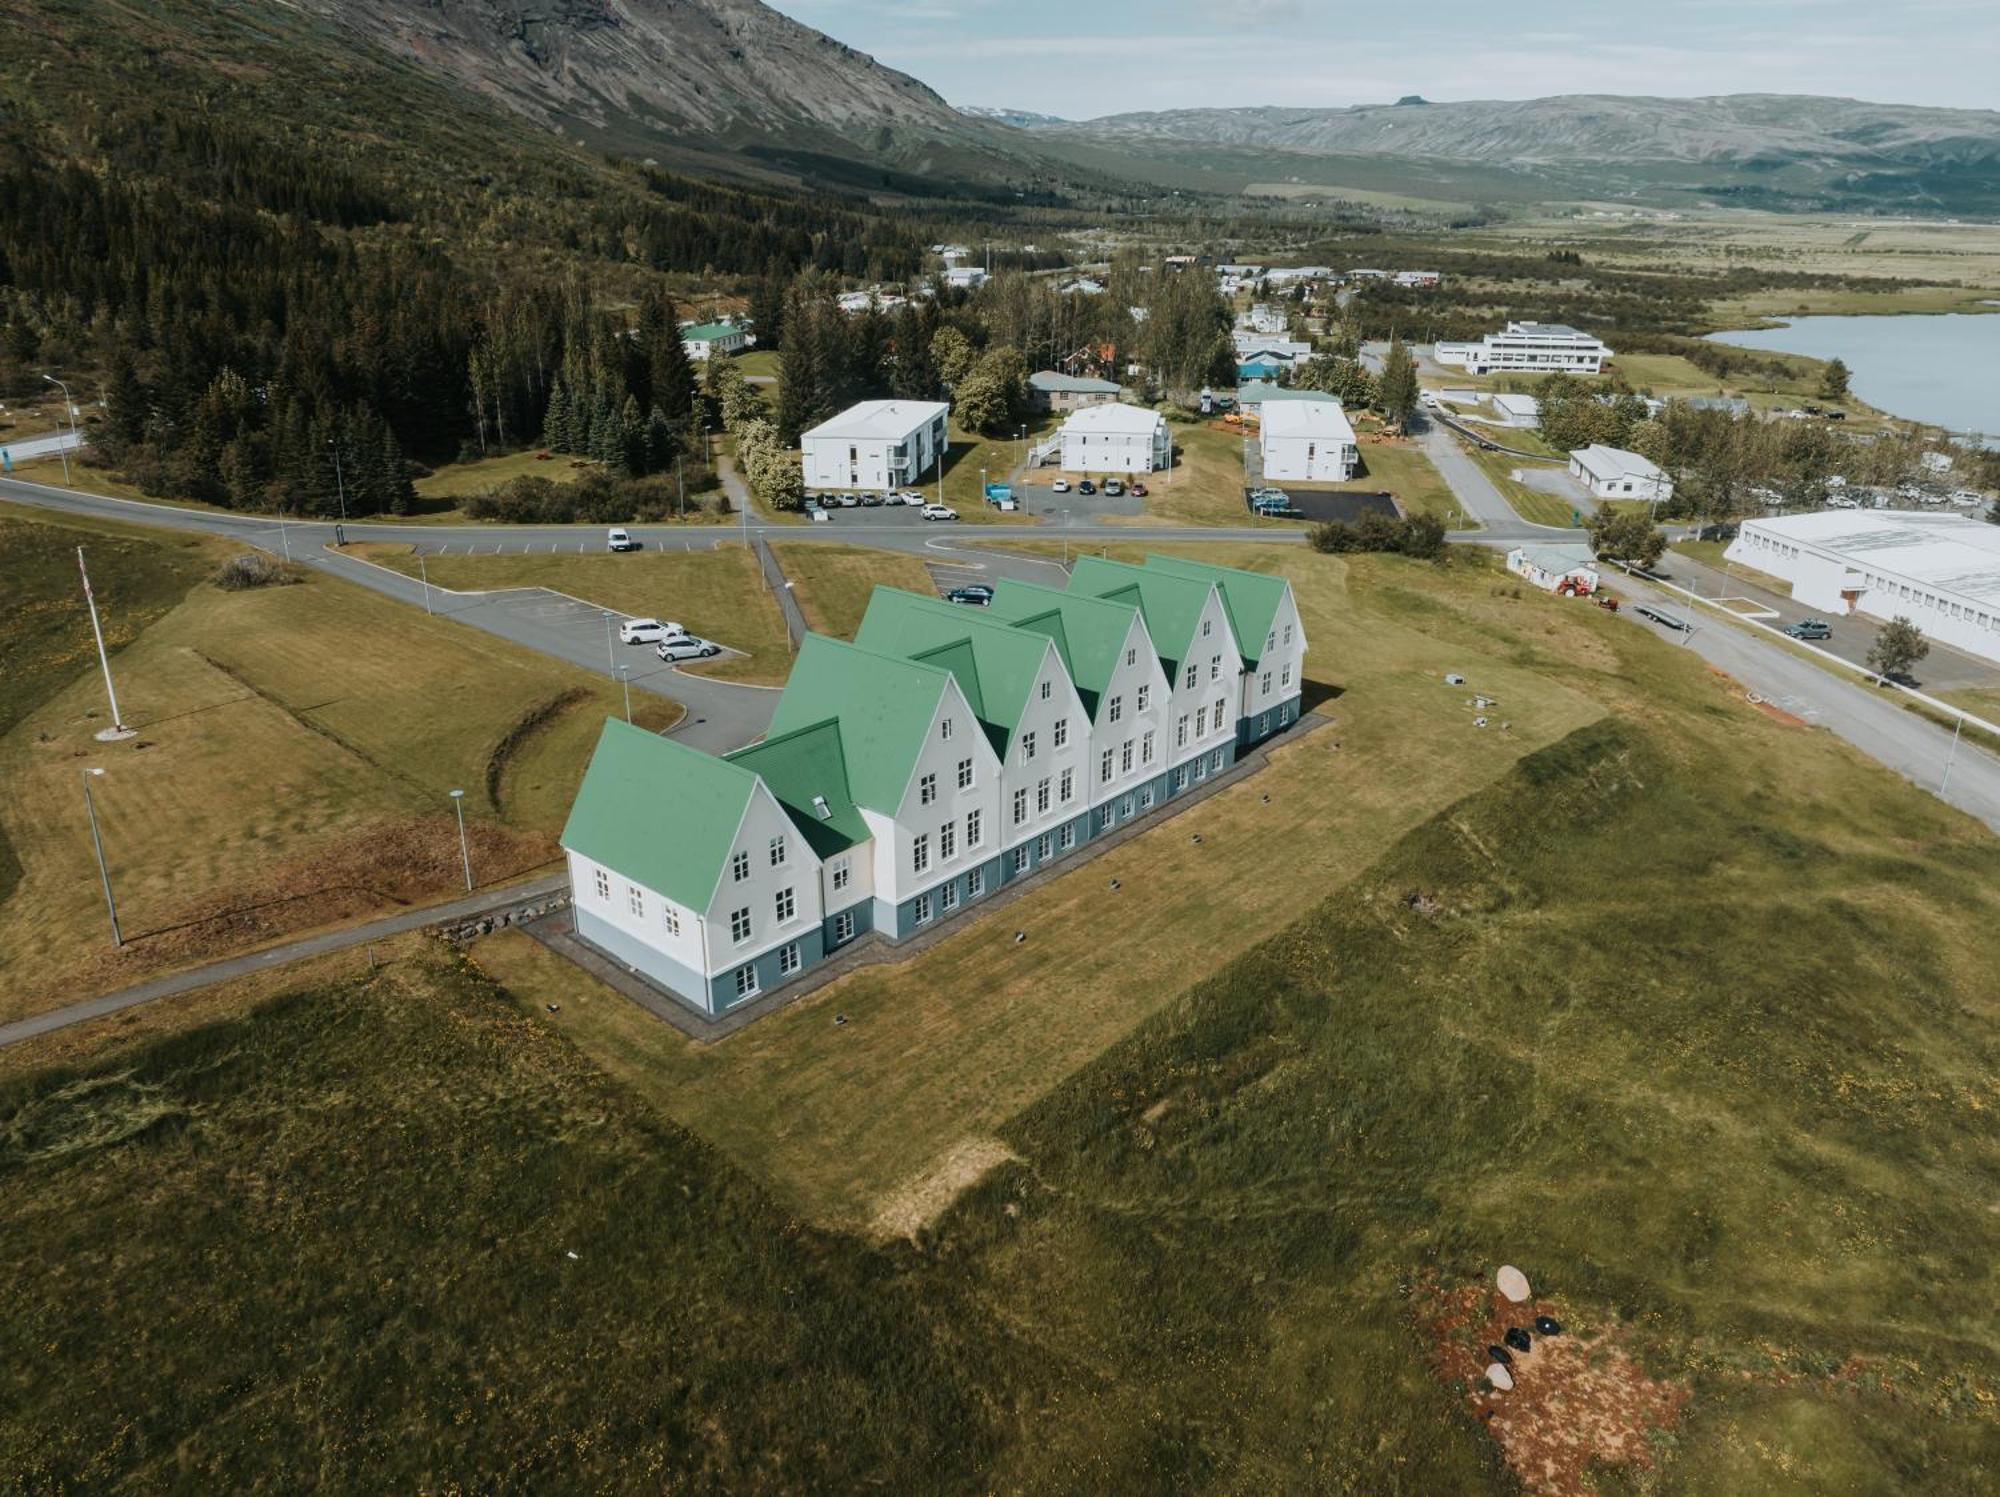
x=1941 y=369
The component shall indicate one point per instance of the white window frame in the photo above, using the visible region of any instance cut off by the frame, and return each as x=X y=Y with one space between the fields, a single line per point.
x=785 y=904
x=603 y=884
x=635 y=901
x=747 y=983
x=741 y=926
x=789 y=960
x=920 y=852
x=739 y=867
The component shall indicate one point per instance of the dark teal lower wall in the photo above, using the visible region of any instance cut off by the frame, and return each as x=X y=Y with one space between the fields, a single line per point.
x=1251 y=731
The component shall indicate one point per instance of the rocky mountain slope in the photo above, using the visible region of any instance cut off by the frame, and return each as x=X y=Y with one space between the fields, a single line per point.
x=732 y=71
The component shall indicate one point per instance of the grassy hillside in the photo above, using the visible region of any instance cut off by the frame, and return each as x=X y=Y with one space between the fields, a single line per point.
x=1687 y=1015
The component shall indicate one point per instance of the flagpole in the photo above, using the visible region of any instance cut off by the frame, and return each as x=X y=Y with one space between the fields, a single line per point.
x=117 y=728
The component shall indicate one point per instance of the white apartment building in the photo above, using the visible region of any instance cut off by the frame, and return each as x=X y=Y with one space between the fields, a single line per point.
x=1115 y=438
x=876 y=445
x=1528 y=347
x=1307 y=441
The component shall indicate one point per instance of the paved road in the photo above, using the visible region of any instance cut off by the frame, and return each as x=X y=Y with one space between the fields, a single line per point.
x=1477 y=493
x=1868 y=717
x=21 y=449
x=473 y=905
x=1944 y=669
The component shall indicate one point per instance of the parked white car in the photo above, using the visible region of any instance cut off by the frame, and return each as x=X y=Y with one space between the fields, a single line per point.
x=686 y=647
x=621 y=540
x=940 y=512
x=1060 y=486
x=821 y=516
x=908 y=496
x=647 y=631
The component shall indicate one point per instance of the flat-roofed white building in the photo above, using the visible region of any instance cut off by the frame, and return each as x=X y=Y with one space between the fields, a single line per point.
x=1307 y=441
x=1531 y=347
x=1614 y=473
x=878 y=444
x=1942 y=572
x=1515 y=410
x=1115 y=438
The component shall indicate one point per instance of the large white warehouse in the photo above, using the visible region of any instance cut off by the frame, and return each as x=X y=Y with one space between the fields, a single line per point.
x=1528 y=347
x=878 y=445
x=1307 y=441
x=1942 y=572
x=1115 y=438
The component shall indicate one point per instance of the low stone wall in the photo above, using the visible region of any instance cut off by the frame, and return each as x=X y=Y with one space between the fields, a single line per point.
x=463 y=931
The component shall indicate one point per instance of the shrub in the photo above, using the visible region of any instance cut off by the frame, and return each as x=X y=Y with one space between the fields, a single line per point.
x=255 y=569
x=1419 y=536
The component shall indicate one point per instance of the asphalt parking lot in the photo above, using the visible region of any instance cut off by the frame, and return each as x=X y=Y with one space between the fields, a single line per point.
x=1344 y=507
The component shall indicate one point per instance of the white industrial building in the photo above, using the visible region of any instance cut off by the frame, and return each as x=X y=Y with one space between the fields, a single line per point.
x=1614 y=473
x=1942 y=572
x=1553 y=568
x=1115 y=438
x=876 y=445
x=1528 y=347
x=1515 y=410
x=1307 y=441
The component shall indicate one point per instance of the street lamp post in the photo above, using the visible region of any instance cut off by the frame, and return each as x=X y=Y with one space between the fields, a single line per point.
x=610 y=650
x=424 y=574
x=339 y=481
x=1065 y=540
x=464 y=847
x=97 y=846
x=117 y=728
x=625 y=680
x=69 y=410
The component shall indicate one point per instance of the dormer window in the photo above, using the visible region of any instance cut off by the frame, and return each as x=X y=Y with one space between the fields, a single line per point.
x=821 y=809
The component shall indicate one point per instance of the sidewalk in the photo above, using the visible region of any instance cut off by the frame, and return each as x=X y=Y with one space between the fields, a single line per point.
x=471 y=907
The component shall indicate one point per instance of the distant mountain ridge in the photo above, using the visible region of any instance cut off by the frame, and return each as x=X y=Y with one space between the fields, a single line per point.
x=1737 y=128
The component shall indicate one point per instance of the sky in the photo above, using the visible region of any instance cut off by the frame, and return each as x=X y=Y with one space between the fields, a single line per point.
x=1081 y=58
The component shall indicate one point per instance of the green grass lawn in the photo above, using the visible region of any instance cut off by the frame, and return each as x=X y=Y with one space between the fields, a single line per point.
x=762 y=362
x=1206 y=485
x=295 y=748
x=717 y=592
x=969 y=454
x=1419 y=488
x=832 y=582
x=457 y=481
x=1682 y=1009
x=1529 y=503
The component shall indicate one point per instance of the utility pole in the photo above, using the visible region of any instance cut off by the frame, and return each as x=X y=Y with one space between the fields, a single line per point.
x=69 y=409
x=464 y=848
x=339 y=482
x=117 y=728
x=1951 y=758
x=97 y=845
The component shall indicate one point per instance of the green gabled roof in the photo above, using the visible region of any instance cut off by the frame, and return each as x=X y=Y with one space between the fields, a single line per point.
x=659 y=813
x=1251 y=598
x=1172 y=605
x=708 y=332
x=995 y=662
x=805 y=770
x=1088 y=631
x=884 y=703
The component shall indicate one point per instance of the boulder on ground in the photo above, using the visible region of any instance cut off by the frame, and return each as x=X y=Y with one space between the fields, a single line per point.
x=1512 y=1283
x=1499 y=1377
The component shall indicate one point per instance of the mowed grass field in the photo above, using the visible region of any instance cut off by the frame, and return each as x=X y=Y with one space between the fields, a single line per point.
x=1683 y=1009
x=1530 y=504
x=295 y=749
x=717 y=592
x=832 y=582
x=998 y=1022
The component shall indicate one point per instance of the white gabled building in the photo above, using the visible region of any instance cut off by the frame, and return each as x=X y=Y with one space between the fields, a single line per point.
x=1942 y=572
x=1115 y=438
x=876 y=445
x=1528 y=347
x=1614 y=473
x=703 y=340
x=915 y=772
x=1551 y=567
x=1307 y=441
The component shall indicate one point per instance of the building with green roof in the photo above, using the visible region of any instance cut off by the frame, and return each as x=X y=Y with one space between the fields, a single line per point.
x=912 y=773
x=1264 y=615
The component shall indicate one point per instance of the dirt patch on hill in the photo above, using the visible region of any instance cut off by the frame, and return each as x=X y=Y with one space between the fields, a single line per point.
x=1579 y=1400
x=923 y=1198
x=373 y=870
